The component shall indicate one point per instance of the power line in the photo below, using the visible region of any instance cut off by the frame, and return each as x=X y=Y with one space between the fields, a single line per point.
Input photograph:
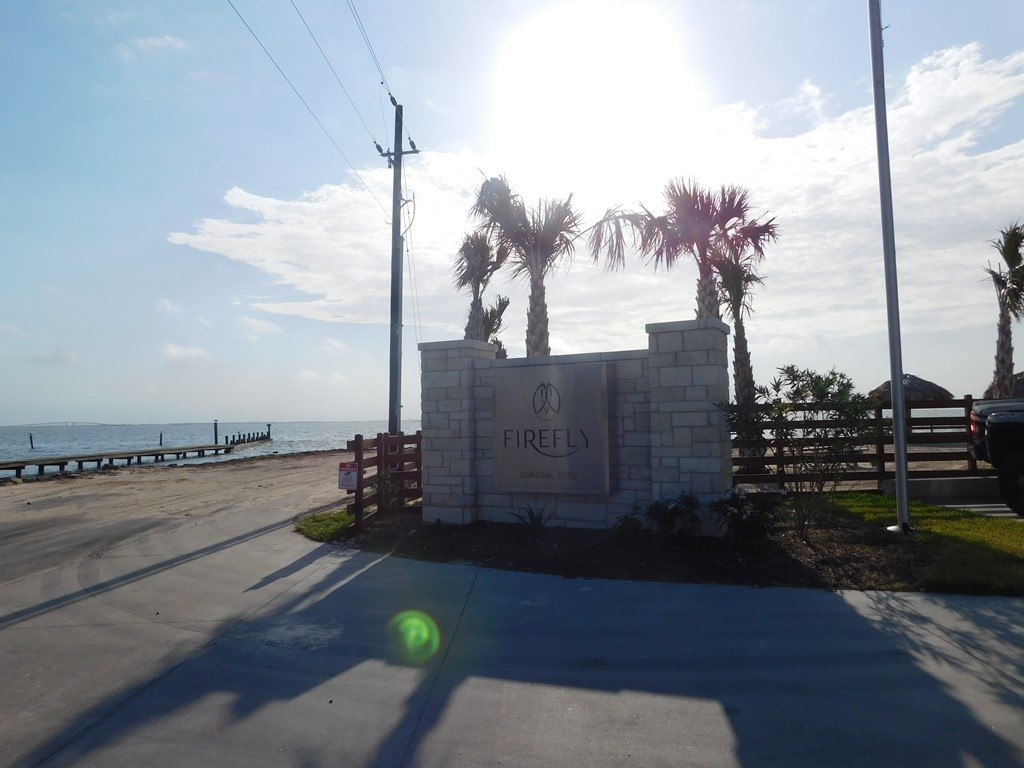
x=366 y=39
x=411 y=262
x=306 y=105
x=333 y=72
x=380 y=70
x=383 y=116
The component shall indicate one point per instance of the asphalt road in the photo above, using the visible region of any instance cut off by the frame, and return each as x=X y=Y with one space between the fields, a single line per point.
x=219 y=637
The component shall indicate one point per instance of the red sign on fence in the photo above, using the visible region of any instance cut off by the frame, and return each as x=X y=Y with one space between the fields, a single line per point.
x=348 y=475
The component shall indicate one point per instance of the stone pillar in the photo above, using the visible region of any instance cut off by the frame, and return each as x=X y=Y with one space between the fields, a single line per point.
x=449 y=428
x=689 y=378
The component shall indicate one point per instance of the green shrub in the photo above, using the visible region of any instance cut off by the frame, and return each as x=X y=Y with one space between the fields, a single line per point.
x=630 y=522
x=675 y=516
x=389 y=490
x=533 y=519
x=750 y=516
x=325 y=526
x=815 y=423
x=629 y=529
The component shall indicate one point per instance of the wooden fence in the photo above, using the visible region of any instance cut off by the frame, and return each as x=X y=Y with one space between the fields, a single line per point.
x=400 y=455
x=938 y=445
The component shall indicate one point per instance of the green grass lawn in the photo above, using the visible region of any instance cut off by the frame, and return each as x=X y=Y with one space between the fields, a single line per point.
x=324 y=526
x=950 y=550
x=971 y=553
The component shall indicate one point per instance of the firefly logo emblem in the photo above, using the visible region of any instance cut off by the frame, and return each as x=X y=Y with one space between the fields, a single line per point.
x=547 y=402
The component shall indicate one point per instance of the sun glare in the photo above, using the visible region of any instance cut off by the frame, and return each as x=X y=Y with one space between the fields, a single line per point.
x=583 y=87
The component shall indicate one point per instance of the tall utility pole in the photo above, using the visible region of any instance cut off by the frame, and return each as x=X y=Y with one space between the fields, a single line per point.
x=892 y=301
x=395 y=378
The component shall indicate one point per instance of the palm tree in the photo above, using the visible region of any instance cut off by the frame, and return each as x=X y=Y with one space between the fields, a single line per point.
x=698 y=223
x=536 y=240
x=474 y=266
x=1009 y=287
x=737 y=277
x=492 y=325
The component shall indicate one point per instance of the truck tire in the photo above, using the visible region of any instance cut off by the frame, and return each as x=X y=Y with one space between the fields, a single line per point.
x=1011 y=481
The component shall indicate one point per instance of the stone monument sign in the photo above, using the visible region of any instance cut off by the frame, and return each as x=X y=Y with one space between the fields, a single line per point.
x=551 y=428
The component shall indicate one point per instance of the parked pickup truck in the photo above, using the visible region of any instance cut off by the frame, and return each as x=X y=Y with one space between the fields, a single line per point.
x=997 y=436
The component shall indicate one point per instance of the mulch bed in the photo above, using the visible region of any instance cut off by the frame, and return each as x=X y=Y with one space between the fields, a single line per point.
x=841 y=553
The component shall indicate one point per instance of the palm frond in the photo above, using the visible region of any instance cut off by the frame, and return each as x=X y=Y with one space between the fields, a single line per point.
x=1010 y=245
x=475 y=263
x=754 y=236
x=609 y=236
x=732 y=205
x=493 y=316
x=691 y=219
x=736 y=279
x=499 y=212
x=1009 y=285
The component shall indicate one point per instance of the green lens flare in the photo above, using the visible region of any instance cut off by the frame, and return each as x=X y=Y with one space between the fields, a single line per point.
x=415 y=634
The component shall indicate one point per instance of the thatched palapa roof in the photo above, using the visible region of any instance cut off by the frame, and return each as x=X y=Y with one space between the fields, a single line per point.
x=914 y=388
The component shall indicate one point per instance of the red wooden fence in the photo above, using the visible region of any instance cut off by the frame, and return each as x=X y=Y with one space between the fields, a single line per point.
x=938 y=445
x=402 y=456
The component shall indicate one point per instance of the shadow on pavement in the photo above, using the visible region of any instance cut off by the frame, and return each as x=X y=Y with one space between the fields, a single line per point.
x=539 y=670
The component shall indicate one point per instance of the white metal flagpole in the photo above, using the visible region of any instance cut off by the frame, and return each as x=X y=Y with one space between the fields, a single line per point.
x=892 y=302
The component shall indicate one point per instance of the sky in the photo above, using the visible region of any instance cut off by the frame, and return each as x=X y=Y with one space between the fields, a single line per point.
x=191 y=229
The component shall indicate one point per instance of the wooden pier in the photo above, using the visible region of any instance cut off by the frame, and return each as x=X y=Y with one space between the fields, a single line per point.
x=110 y=458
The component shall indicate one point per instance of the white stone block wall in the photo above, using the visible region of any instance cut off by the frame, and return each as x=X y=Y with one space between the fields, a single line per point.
x=667 y=434
x=450 y=425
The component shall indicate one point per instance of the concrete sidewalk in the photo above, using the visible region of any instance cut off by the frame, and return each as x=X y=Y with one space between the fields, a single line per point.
x=235 y=642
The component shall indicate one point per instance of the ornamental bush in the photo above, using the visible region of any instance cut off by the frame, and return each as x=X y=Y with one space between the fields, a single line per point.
x=675 y=516
x=815 y=424
x=750 y=516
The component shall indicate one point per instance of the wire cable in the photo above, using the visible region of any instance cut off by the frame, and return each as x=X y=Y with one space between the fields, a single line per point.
x=376 y=62
x=366 y=39
x=308 y=108
x=333 y=72
x=411 y=260
x=413 y=287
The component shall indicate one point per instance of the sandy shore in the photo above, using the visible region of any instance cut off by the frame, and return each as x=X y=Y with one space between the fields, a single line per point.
x=47 y=522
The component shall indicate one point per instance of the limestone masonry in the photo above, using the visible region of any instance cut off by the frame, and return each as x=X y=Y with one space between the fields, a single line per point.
x=667 y=434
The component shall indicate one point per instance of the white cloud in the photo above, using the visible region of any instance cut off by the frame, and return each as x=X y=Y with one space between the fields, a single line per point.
x=335 y=347
x=308 y=375
x=11 y=329
x=128 y=50
x=824 y=278
x=808 y=101
x=334 y=244
x=257 y=327
x=177 y=354
x=170 y=307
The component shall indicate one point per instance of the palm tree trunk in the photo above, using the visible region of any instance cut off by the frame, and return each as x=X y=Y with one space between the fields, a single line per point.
x=475 y=324
x=537 y=319
x=1002 y=381
x=742 y=368
x=743 y=381
x=708 y=306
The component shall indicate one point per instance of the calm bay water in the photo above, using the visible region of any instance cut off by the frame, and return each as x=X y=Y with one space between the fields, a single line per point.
x=286 y=437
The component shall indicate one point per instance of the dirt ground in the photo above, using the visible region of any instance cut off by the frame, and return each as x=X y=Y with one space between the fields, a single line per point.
x=842 y=554
x=82 y=514
x=47 y=521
